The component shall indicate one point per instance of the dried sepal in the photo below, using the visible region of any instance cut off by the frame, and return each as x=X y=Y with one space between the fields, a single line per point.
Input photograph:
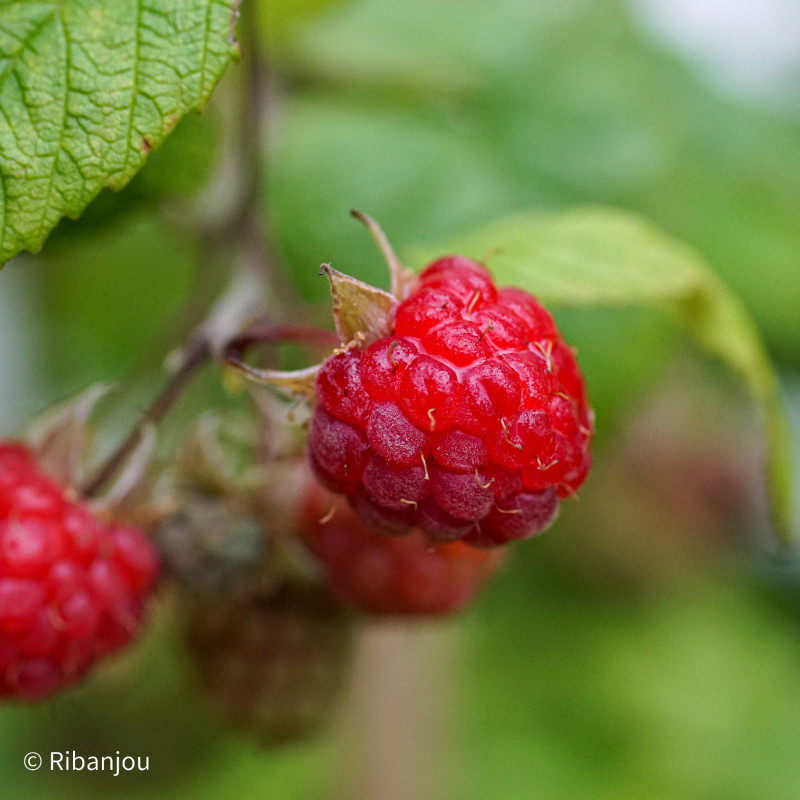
x=362 y=313
x=297 y=382
x=403 y=278
x=59 y=435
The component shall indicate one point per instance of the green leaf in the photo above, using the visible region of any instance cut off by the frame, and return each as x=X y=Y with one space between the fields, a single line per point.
x=87 y=89
x=602 y=257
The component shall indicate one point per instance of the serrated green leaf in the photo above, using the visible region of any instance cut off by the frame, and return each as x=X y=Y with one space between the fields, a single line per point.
x=603 y=257
x=87 y=89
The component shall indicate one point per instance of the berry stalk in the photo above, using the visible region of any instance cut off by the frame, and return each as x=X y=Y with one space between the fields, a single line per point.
x=194 y=356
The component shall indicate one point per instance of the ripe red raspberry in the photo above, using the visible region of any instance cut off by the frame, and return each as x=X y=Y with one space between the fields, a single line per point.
x=393 y=575
x=272 y=662
x=469 y=421
x=71 y=588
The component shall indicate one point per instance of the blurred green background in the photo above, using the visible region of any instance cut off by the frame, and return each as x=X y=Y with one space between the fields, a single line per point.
x=649 y=645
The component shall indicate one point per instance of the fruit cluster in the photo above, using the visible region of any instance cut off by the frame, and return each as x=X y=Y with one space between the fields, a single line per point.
x=469 y=421
x=456 y=426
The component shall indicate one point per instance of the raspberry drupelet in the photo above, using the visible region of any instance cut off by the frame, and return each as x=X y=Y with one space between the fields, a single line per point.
x=469 y=421
x=72 y=589
x=392 y=575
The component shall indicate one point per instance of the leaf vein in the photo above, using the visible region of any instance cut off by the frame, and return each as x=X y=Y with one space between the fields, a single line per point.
x=43 y=219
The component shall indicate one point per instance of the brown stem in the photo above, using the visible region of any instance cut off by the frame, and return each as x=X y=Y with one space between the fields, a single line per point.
x=267 y=332
x=251 y=224
x=402 y=712
x=300 y=382
x=195 y=353
x=237 y=227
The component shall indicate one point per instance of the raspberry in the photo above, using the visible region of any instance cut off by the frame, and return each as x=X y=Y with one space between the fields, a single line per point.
x=272 y=663
x=208 y=546
x=469 y=421
x=71 y=588
x=393 y=575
